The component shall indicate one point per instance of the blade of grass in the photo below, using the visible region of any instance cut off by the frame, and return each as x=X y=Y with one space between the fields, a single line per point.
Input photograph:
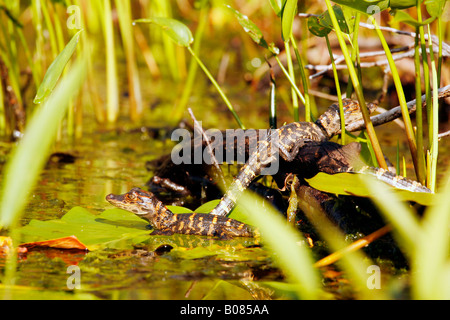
x=354 y=263
x=55 y=70
x=22 y=170
x=304 y=80
x=419 y=114
x=295 y=260
x=292 y=76
x=124 y=13
x=420 y=172
x=434 y=118
x=432 y=256
x=338 y=90
x=112 y=87
x=405 y=224
x=358 y=88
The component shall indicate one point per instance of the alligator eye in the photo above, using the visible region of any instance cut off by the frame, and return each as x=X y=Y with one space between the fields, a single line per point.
x=131 y=197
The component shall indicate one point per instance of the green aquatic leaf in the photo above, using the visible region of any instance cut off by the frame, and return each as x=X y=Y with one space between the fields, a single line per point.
x=178 y=209
x=435 y=7
x=316 y=28
x=355 y=185
x=113 y=228
x=402 y=16
x=321 y=25
x=252 y=29
x=288 y=13
x=276 y=7
x=366 y=6
x=55 y=70
x=176 y=30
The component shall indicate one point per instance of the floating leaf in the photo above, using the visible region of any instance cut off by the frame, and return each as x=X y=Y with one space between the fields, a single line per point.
x=113 y=228
x=55 y=70
x=70 y=242
x=176 y=30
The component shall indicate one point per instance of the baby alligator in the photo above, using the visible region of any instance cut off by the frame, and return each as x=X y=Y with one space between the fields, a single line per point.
x=145 y=205
x=287 y=140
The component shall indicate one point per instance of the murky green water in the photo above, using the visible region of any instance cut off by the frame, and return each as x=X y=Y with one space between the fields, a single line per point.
x=113 y=161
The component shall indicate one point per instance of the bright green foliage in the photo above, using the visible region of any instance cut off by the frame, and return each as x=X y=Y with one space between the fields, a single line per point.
x=176 y=30
x=55 y=70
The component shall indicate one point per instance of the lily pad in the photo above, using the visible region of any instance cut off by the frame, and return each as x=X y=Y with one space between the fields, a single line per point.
x=113 y=228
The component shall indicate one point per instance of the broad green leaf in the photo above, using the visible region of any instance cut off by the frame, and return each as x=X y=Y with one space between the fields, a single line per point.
x=354 y=184
x=325 y=19
x=113 y=228
x=276 y=7
x=236 y=213
x=316 y=28
x=55 y=70
x=287 y=18
x=28 y=158
x=402 y=16
x=252 y=29
x=376 y=6
x=435 y=7
x=402 y=4
x=178 y=209
x=176 y=30
x=320 y=26
x=208 y=206
x=366 y=6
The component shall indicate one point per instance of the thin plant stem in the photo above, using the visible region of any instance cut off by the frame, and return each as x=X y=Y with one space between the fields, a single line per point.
x=402 y=101
x=291 y=75
x=434 y=118
x=304 y=80
x=112 y=98
x=426 y=69
x=419 y=115
x=216 y=85
x=182 y=103
x=286 y=73
x=338 y=91
x=358 y=89
x=355 y=53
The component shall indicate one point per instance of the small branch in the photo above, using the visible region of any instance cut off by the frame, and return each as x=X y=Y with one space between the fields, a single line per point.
x=396 y=112
x=217 y=169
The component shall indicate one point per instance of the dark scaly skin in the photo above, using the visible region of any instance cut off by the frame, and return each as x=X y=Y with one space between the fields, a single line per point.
x=291 y=138
x=392 y=179
x=145 y=205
